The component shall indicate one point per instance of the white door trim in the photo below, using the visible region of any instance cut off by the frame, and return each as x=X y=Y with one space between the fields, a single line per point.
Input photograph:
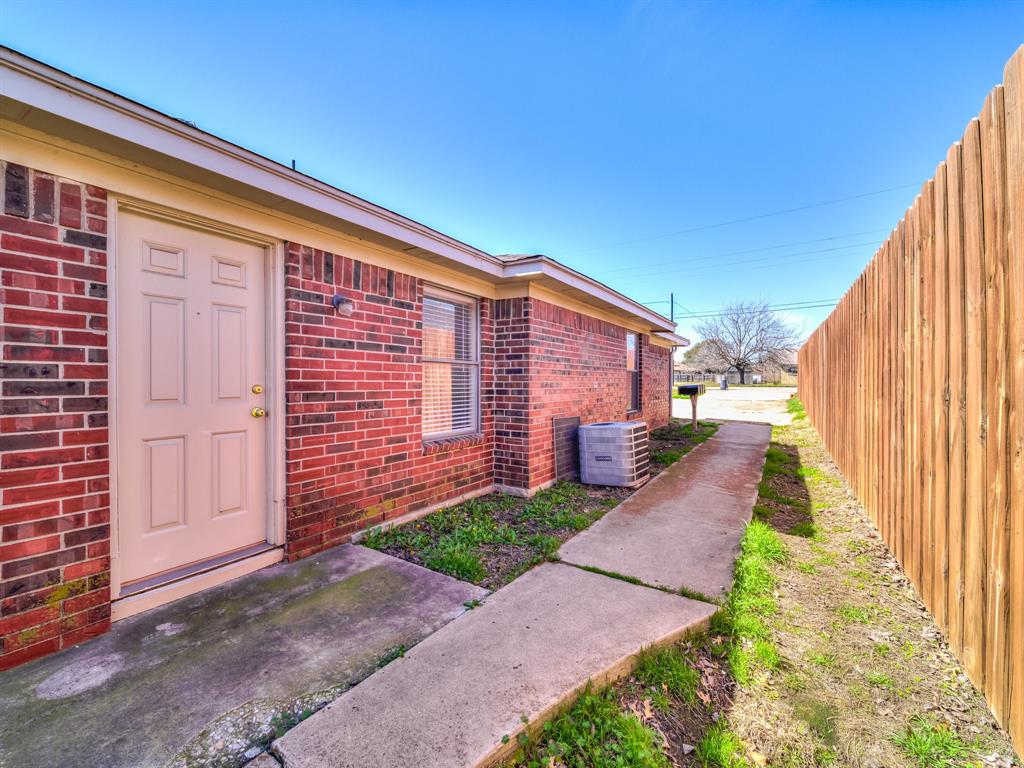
x=275 y=397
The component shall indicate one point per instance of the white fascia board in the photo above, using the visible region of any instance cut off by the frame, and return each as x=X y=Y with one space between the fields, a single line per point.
x=541 y=266
x=675 y=338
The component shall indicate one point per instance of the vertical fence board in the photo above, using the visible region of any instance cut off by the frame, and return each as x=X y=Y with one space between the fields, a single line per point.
x=940 y=406
x=975 y=530
x=929 y=342
x=957 y=400
x=1014 y=137
x=996 y=503
x=924 y=394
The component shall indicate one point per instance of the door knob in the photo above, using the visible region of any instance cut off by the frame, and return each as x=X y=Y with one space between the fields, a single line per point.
x=259 y=413
x=257 y=389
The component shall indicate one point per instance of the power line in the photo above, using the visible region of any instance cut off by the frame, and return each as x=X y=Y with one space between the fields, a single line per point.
x=645 y=275
x=785 y=305
x=749 y=250
x=755 y=311
x=766 y=266
x=743 y=220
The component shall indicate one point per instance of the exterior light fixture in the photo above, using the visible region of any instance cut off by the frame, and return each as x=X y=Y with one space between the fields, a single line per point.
x=342 y=305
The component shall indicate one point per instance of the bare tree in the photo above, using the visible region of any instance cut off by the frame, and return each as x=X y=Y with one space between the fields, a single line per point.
x=745 y=335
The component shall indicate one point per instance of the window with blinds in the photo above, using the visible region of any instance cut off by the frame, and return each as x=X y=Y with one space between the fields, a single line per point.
x=450 y=365
x=633 y=369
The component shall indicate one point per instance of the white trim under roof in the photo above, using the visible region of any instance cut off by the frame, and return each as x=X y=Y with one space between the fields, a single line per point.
x=675 y=339
x=44 y=89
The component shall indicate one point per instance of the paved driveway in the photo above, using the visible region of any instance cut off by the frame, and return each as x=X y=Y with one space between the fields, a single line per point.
x=765 y=404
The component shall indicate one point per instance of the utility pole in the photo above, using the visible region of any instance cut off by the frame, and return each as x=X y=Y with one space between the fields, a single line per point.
x=672 y=307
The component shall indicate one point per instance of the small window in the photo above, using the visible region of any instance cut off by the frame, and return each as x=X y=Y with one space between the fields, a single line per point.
x=633 y=370
x=450 y=365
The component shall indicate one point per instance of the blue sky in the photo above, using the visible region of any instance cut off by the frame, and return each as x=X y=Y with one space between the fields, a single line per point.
x=617 y=137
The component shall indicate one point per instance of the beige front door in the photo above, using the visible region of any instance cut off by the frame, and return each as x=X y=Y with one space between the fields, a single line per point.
x=190 y=353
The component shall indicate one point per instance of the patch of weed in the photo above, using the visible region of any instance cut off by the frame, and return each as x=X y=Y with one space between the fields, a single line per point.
x=879 y=680
x=456 y=559
x=932 y=745
x=796 y=408
x=666 y=457
x=668 y=667
x=720 y=748
x=594 y=732
x=390 y=655
x=826 y=660
x=853 y=614
x=805 y=528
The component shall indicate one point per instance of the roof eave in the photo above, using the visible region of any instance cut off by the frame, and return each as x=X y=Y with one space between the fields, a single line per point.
x=41 y=87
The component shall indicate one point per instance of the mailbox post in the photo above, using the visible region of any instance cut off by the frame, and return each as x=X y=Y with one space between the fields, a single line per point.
x=694 y=391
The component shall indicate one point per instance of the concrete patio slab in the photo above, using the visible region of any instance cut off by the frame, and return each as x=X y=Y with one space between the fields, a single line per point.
x=203 y=679
x=684 y=527
x=527 y=650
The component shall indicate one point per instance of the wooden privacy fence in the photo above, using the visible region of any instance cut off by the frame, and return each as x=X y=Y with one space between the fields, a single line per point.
x=916 y=384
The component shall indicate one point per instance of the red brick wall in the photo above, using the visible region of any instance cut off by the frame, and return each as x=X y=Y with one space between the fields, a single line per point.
x=354 y=450
x=54 y=474
x=512 y=393
x=354 y=453
x=655 y=364
x=578 y=368
x=555 y=362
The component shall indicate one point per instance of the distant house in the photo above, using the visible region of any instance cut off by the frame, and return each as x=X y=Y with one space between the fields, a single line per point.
x=683 y=371
x=213 y=362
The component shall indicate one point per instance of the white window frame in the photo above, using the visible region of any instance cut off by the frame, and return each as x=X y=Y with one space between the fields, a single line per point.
x=634 y=407
x=442 y=294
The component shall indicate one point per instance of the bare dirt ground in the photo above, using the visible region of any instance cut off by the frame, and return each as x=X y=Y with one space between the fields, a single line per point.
x=861 y=658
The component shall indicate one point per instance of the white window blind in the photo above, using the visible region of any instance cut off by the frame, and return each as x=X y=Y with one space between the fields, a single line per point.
x=450 y=365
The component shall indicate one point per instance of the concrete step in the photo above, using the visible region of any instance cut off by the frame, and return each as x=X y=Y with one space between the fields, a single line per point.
x=526 y=652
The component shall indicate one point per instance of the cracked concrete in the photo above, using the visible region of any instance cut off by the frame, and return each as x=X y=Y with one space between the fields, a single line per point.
x=210 y=679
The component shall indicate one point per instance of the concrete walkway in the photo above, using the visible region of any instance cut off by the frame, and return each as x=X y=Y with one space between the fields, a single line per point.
x=203 y=679
x=462 y=692
x=683 y=529
x=531 y=646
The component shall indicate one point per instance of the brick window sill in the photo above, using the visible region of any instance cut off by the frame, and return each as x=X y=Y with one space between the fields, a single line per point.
x=445 y=444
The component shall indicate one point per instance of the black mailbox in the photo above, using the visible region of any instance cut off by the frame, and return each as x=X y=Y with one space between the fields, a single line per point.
x=694 y=391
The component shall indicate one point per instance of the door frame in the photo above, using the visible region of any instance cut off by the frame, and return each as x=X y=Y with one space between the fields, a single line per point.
x=273 y=265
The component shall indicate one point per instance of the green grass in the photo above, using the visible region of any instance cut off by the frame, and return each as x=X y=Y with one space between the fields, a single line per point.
x=932 y=745
x=853 y=614
x=879 y=680
x=594 y=733
x=720 y=748
x=666 y=457
x=778 y=462
x=456 y=539
x=744 y=620
x=795 y=407
x=456 y=559
x=668 y=667
x=805 y=529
